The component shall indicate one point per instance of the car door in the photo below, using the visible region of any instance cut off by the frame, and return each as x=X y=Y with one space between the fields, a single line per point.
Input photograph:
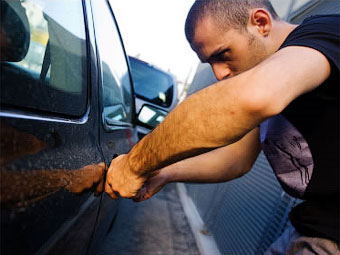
x=49 y=129
x=116 y=105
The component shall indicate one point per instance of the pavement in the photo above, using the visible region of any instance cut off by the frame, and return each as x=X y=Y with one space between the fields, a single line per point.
x=156 y=226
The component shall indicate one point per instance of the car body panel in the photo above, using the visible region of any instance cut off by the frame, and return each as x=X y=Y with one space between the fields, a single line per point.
x=44 y=151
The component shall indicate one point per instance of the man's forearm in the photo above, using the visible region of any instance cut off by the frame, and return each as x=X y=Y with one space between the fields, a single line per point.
x=219 y=165
x=192 y=129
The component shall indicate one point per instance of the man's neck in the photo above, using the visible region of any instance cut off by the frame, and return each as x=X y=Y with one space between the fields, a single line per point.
x=281 y=32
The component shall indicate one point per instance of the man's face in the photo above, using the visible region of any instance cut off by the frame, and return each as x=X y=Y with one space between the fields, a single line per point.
x=228 y=52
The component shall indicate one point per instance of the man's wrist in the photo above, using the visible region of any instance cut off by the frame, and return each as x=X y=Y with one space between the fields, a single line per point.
x=129 y=164
x=134 y=163
x=140 y=159
x=169 y=173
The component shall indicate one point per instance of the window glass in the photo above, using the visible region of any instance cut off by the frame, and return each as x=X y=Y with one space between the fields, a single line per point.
x=150 y=83
x=43 y=56
x=116 y=85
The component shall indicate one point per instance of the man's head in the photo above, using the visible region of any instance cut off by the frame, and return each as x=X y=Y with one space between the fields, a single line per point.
x=231 y=35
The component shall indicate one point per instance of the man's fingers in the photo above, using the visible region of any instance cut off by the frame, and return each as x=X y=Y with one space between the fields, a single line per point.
x=99 y=188
x=108 y=188
x=112 y=194
x=101 y=185
x=102 y=165
x=140 y=195
x=110 y=191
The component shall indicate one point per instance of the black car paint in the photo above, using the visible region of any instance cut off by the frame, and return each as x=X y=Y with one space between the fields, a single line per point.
x=69 y=143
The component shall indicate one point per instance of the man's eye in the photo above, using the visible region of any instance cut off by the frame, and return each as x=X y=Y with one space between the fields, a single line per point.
x=223 y=57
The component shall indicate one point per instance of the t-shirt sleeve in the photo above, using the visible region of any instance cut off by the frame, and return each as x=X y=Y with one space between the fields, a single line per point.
x=321 y=33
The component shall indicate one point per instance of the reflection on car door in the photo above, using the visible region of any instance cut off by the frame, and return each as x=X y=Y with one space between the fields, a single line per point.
x=49 y=133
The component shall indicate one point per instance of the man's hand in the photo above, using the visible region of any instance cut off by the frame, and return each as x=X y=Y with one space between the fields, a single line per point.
x=121 y=178
x=152 y=186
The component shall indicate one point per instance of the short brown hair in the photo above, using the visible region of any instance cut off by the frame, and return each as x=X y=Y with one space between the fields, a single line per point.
x=226 y=13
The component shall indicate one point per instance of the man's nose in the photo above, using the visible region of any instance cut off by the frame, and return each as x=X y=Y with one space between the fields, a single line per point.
x=221 y=71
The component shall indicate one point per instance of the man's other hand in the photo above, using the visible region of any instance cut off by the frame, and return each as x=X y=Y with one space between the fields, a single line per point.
x=121 y=178
x=152 y=186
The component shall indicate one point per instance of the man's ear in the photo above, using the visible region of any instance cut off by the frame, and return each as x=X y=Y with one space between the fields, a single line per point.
x=261 y=20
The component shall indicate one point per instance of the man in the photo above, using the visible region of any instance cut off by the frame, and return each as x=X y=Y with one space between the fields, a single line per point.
x=281 y=95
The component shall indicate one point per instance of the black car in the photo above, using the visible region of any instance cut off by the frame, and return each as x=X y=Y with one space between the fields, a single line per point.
x=67 y=104
x=156 y=94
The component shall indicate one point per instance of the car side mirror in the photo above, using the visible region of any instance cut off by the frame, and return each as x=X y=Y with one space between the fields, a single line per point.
x=150 y=116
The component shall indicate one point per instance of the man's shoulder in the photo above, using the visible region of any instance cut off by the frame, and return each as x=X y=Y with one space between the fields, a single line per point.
x=323 y=17
x=317 y=26
x=320 y=32
x=321 y=22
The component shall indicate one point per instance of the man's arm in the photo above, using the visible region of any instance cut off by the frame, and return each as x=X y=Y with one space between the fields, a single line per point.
x=221 y=114
x=219 y=165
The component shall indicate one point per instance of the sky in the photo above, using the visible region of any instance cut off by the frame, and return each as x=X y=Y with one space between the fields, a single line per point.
x=153 y=30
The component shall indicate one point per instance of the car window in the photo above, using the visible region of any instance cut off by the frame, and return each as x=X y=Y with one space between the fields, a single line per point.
x=151 y=84
x=116 y=84
x=43 y=56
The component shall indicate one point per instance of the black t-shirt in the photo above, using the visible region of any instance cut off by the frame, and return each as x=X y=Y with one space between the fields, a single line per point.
x=302 y=143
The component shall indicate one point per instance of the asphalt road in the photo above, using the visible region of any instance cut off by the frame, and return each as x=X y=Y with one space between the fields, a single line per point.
x=156 y=226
